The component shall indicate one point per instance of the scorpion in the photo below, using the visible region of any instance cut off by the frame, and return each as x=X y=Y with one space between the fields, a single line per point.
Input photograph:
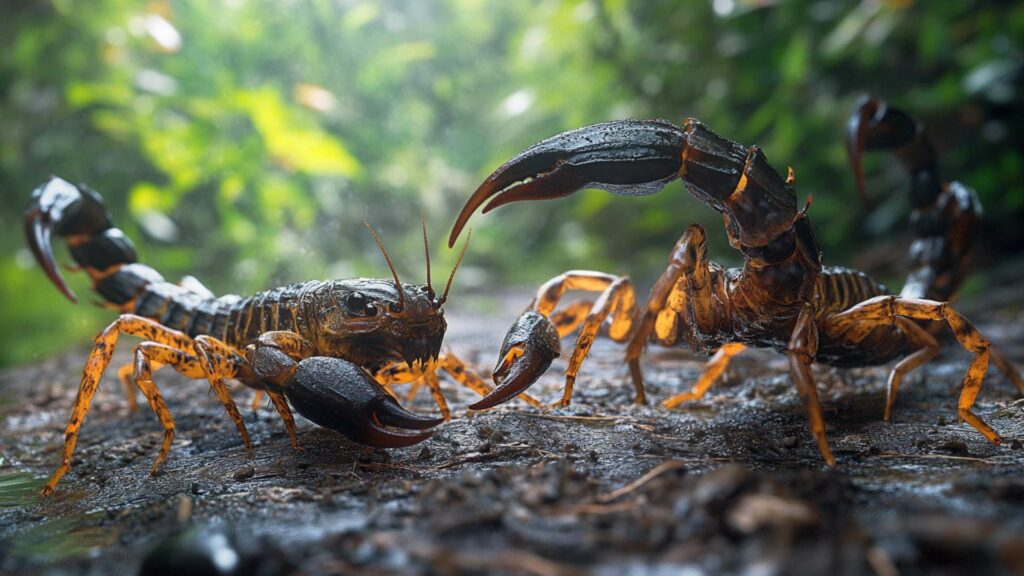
x=782 y=298
x=328 y=348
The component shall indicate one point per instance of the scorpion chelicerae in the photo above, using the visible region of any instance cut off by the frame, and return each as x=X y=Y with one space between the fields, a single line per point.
x=325 y=347
x=782 y=297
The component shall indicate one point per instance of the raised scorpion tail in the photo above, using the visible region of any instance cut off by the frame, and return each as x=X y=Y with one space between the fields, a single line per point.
x=77 y=214
x=945 y=217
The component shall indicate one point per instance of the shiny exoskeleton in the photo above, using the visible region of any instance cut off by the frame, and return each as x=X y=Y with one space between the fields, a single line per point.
x=781 y=298
x=324 y=346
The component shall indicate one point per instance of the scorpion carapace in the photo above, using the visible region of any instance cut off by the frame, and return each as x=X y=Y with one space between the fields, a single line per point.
x=325 y=346
x=782 y=297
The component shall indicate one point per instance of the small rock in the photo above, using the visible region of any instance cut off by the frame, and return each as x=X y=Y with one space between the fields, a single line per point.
x=790 y=442
x=244 y=473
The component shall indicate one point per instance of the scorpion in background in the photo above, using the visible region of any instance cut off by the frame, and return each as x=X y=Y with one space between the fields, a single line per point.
x=782 y=297
x=318 y=344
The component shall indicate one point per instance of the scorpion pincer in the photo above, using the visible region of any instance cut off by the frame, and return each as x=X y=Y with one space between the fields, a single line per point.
x=781 y=298
x=325 y=347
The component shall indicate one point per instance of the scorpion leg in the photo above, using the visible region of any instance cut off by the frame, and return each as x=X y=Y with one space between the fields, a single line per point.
x=148 y=355
x=257 y=399
x=568 y=319
x=99 y=359
x=458 y=370
x=124 y=375
x=1006 y=367
x=400 y=373
x=430 y=377
x=618 y=301
x=294 y=346
x=683 y=289
x=929 y=349
x=803 y=345
x=219 y=362
x=286 y=414
x=883 y=310
x=712 y=371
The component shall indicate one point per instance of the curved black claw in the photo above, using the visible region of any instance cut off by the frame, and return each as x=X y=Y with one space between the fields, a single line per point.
x=526 y=354
x=340 y=395
x=874 y=125
x=65 y=209
x=629 y=157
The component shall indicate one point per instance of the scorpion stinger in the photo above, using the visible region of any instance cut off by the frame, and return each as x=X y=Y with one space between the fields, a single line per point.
x=70 y=209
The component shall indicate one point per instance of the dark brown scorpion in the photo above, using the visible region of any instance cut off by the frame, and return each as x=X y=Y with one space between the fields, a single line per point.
x=782 y=297
x=317 y=345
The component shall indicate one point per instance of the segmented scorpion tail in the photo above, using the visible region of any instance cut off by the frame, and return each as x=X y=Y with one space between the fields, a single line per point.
x=946 y=216
x=77 y=214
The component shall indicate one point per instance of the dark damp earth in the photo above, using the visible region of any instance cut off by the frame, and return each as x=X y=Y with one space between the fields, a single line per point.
x=730 y=484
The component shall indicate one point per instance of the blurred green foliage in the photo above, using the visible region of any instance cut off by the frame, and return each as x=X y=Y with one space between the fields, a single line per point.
x=245 y=141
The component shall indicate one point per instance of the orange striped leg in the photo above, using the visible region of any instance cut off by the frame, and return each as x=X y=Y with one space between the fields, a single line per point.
x=148 y=355
x=1007 y=368
x=687 y=273
x=99 y=359
x=286 y=414
x=457 y=369
x=929 y=349
x=430 y=377
x=124 y=375
x=400 y=373
x=568 y=319
x=883 y=310
x=219 y=362
x=257 y=399
x=712 y=371
x=803 y=346
x=618 y=301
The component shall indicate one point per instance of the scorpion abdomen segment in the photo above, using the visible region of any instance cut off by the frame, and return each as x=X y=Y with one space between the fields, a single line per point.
x=840 y=288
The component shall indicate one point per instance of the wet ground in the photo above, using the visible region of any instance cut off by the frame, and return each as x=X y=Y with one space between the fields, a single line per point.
x=729 y=484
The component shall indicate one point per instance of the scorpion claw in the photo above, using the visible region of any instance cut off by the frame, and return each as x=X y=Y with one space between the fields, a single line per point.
x=529 y=347
x=339 y=395
x=628 y=157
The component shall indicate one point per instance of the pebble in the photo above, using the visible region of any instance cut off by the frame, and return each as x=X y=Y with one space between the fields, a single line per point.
x=244 y=473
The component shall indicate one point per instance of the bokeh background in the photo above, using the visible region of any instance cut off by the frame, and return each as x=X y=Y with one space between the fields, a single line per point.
x=246 y=141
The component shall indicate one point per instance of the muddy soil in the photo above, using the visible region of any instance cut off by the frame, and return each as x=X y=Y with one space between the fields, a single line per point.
x=732 y=483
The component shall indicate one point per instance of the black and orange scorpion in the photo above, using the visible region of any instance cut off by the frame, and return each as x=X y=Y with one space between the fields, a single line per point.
x=328 y=348
x=782 y=297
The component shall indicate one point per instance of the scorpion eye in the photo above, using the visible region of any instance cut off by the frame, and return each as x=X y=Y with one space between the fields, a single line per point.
x=357 y=303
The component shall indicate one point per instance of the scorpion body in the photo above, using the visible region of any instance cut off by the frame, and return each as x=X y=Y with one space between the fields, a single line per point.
x=781 y=298
x=327 y=347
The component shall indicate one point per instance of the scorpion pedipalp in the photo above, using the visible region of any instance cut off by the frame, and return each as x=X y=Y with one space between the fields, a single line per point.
x=626 y=157
x=340 y=395
x=530 y=346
